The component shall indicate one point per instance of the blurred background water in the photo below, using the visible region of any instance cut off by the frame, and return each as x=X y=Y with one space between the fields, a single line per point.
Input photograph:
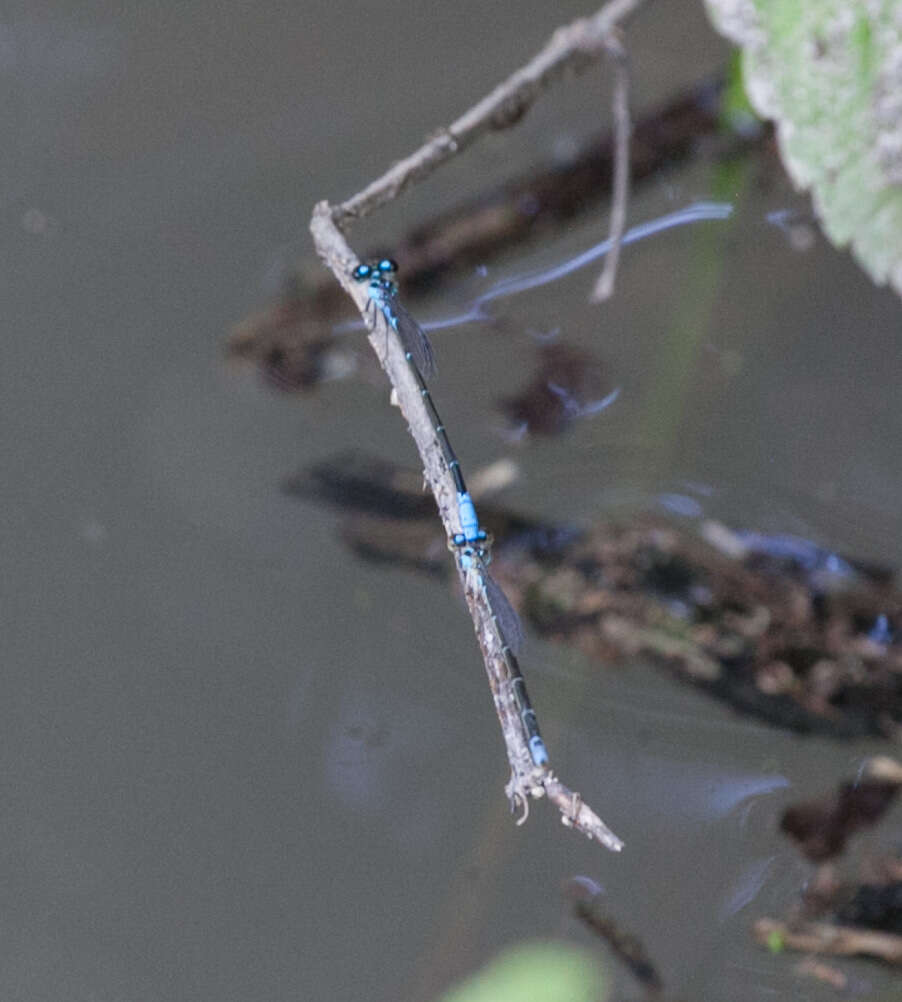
x=240 y=764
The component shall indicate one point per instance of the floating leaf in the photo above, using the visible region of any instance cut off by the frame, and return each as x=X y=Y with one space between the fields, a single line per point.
x=829 y=72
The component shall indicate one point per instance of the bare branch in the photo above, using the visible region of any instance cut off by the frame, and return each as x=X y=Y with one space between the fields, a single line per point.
x=604 y=287
x=572 y=47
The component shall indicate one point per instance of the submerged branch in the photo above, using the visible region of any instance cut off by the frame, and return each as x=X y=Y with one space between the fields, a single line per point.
x=822 y=937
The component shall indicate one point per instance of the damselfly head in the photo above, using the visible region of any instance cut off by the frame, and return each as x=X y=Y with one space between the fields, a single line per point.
x=375 y=270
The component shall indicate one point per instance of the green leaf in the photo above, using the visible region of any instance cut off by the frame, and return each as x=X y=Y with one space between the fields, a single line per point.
x=829 y=73
x=535 y=972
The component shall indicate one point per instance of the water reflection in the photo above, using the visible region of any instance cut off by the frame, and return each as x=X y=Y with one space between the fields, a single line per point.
x=746 y=887
x=698 y=791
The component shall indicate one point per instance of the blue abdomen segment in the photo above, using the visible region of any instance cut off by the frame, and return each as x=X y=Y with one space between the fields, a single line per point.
x=469 y=521
x=538 y=750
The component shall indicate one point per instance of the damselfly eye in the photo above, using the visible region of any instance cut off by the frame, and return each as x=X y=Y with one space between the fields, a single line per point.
x=386 y=265
x=361 y=272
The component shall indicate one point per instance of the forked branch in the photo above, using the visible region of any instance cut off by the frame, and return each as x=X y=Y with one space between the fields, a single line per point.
x=570 y=47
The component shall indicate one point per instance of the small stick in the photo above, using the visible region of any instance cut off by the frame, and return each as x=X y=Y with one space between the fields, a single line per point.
x=604 y=287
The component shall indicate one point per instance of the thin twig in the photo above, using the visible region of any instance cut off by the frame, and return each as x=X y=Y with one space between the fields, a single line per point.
x=604 y=287
x=573 y=46
x=570 y=47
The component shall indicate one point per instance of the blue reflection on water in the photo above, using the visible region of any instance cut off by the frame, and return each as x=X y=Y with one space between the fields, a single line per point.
x=680 y=504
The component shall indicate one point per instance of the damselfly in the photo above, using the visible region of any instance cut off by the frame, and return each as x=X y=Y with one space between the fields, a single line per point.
x=383 y=293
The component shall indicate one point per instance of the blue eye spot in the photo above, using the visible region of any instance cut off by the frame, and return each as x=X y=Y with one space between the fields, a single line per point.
x=387 y=265
x=361 y=272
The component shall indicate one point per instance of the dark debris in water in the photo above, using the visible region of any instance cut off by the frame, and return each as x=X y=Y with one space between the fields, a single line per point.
x=808 y=645
x=875 y=906
x=822 y=827
x=859 y=913
x=772 y=639
x=567 y=384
